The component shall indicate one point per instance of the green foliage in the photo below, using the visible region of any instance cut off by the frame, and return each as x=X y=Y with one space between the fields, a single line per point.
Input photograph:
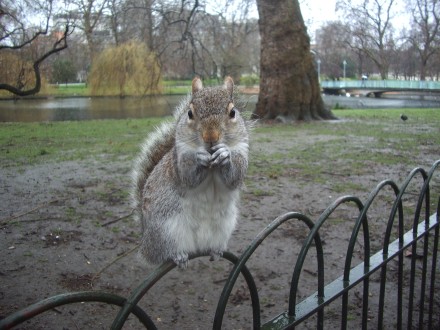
x=249 y=80
x=63 y=71
x=128 y=69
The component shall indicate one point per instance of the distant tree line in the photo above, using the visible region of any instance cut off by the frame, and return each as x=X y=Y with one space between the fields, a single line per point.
x=64 y=41
x=370 y=43
x=187 y=38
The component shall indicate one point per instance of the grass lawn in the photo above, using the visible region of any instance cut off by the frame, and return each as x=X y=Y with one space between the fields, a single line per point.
x=31 y=143
x=360 y=137
x=69 y=90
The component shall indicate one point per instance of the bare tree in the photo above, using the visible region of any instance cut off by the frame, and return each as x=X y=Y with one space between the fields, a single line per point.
x=189 y=36
x=406 y=63
x=194 y=37
x=134 y=20
x=332 y=48
x=174 y=40
x=232 y=38
x=371 y=29
x=88 y=16
x=434 y=67
x=426 y=30
x=20 y=34
x=115 y=7
x=289 y=86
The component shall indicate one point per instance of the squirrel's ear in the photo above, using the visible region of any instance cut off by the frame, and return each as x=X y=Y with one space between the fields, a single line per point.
x=196 y=85
x=229 y=84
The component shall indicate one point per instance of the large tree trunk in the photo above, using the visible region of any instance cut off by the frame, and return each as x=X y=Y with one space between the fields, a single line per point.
x=289 y=86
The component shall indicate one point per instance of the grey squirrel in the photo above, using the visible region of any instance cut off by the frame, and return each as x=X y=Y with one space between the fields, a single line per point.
x=188 y=175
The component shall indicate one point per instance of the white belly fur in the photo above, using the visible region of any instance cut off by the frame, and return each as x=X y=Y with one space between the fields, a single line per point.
x=208 y=219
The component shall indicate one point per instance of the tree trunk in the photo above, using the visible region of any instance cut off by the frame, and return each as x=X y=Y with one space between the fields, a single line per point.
x=423 y=64
x=289 y=85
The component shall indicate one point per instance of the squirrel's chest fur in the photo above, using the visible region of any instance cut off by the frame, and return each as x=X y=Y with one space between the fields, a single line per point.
x=209 y=217
x=200 y=219
x=210 y=201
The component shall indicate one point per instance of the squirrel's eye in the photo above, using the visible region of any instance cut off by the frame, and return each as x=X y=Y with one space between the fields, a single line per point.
x=190 y=114
x=232 y=113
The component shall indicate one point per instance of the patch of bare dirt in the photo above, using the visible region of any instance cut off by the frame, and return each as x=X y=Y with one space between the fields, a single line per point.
x=65 y=227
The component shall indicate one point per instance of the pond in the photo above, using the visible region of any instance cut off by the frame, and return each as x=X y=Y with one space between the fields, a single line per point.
x=86 y=108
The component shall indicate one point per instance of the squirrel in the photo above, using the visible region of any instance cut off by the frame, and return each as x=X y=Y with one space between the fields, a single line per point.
x=188 y=176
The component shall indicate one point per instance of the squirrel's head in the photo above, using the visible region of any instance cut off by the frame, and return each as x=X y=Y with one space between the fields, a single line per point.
x=212 y=112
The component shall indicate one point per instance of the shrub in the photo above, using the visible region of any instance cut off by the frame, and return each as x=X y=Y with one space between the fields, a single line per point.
x=128 y=69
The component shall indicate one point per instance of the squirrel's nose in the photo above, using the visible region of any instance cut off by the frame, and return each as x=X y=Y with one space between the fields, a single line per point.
x=211 y=136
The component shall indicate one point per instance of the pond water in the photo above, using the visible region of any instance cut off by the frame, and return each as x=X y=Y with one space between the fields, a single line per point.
x=86 y=108
x=385 y=102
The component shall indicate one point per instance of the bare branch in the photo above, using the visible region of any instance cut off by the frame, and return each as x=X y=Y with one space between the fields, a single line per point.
x=58 y=46
x=26 y=41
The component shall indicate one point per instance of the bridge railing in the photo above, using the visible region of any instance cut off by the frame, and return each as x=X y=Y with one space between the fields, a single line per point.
x=410 y=258
x=382 y=84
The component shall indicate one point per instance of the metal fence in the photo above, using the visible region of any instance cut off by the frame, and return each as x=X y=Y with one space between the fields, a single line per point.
x=416 y=303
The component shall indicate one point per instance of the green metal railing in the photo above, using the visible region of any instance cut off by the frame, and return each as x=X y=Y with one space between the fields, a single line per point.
x=383 y=84
x=424 y=232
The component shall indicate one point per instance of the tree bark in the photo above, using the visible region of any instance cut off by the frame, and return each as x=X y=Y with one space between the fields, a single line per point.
x=289 y=85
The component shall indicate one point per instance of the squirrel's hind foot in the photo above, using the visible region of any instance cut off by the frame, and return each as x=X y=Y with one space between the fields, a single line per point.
x=181 y=260
x=215 y=255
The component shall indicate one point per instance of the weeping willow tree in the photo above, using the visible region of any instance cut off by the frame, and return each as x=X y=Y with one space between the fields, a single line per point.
x=127 y=69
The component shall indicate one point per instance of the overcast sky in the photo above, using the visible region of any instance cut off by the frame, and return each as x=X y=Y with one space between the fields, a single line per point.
x=315 y=13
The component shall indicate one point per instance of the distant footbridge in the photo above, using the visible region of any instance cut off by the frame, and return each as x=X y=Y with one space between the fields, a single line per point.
x=378 y=87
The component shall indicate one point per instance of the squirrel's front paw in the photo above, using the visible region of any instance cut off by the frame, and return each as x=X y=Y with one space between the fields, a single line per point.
x=181 y=260
x=221 y=154
x=203 y=158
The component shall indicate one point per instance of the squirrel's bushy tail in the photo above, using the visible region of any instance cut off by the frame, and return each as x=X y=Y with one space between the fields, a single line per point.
x=153 y=149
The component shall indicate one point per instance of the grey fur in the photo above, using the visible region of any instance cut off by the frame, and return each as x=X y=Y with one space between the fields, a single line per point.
x=187 y=177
